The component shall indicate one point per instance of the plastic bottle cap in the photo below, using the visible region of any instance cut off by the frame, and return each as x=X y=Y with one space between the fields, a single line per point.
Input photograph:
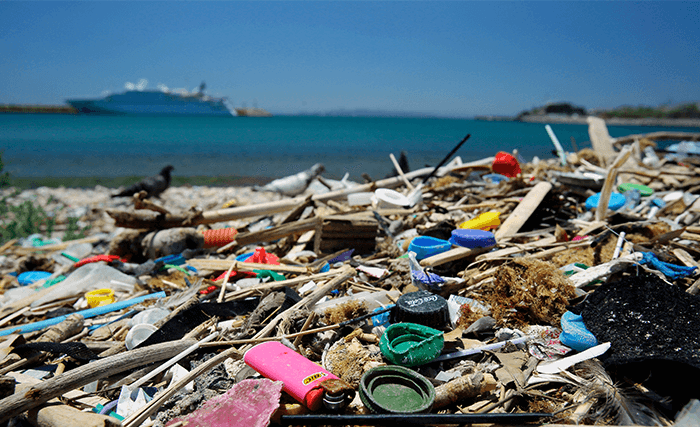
x=423 y=308
x=138 y=334
x=643 y=189
x=506 y=164
x=472 y=239
x=411 y=344
x=485 y=221
x=426 y=246
x=616 y=201
x=99 y=297
x=395 y=389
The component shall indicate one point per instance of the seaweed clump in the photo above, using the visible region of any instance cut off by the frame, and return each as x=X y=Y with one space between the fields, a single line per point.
x=528 y=291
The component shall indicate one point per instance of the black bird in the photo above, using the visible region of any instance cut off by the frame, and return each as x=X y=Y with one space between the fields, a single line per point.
x=153 y=185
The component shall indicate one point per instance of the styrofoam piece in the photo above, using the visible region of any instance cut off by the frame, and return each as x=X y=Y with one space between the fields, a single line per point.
x=569 y=361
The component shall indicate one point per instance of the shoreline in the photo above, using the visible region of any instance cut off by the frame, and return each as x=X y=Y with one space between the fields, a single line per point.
x=24 y=183
x=582 y=120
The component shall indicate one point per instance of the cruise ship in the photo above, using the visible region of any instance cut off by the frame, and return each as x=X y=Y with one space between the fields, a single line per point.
x=138 y=101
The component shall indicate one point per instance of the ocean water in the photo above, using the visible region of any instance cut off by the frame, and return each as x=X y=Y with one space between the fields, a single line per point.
x=38 y=145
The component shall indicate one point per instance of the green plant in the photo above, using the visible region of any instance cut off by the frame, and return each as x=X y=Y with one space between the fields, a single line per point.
x=74 y=231
x=23 y=220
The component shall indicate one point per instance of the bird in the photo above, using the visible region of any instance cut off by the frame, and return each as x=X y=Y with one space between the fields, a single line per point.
x=153 y=185
x=293 y=185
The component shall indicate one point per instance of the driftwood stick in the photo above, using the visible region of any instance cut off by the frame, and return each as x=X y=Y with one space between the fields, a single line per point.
x=658 y=136
x=149 y=220
x=23 y=401
x=224 y=264
x=522 y=212
x=278 y=232
x=263 y=287
x=452 y=255
x=610 y=179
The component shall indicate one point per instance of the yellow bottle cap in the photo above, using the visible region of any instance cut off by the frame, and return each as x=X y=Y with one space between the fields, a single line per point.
x=99 y=297
x=486 y=221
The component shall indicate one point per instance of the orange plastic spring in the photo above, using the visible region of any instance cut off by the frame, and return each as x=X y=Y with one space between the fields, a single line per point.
x=219 y=237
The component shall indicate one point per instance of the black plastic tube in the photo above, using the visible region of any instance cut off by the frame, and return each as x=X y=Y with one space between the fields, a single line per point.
x=421 y=419
x=447 y=157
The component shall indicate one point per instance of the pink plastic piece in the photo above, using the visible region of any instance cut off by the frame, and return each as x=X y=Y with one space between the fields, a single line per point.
x=301 y=377
x=249 y=403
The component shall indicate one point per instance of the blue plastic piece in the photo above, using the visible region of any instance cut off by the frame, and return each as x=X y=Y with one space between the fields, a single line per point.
x=177 y=259
x=472 y=239
x=671 y=271
x=494 y=177
x=244 y=257
x=90 y=312
x=29 y=277
x=575 y=334
x=381 y=319
x=326 y=268
x=431 y=280
x=617 y=201
x=426 y=246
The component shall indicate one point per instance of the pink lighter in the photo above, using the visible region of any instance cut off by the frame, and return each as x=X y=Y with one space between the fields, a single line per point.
x=304 y=380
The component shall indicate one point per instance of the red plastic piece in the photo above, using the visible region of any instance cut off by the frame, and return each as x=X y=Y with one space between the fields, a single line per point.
x=506 y=165
x=260 y=256
x=97 y=258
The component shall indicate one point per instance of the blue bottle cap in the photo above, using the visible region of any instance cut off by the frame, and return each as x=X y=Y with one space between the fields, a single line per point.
x=472 y=239
x=29 y=277
x=426 y=246
x=617 y=200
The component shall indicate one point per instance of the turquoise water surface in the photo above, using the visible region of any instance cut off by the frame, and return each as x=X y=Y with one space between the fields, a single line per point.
x=39 y=145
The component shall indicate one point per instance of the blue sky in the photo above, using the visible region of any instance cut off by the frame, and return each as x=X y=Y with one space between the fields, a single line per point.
x=444 y=58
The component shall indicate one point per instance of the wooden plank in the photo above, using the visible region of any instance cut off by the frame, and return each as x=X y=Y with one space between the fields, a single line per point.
x=600 y=139
x=523 y=211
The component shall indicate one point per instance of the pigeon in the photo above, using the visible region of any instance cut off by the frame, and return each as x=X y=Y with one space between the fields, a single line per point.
x=153 y=185
x=293 y=185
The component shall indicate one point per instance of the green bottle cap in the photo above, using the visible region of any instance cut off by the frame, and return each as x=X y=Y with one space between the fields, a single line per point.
x=395 y=389
x=410 y=344
x=643 y=189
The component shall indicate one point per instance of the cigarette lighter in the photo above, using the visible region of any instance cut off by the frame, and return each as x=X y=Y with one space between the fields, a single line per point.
x=304 y=380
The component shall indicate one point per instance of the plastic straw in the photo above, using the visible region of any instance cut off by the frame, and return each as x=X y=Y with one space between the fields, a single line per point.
x=476 y=350
x=91 y=312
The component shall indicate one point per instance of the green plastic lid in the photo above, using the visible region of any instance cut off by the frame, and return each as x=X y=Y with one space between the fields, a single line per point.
x=643 y=189
x=395 y=389
x=410 y=344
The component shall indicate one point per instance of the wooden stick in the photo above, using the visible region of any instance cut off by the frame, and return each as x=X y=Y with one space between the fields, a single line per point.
x=224 y=264
x=452 y=255
x=602 y=210
x=399 y=171
x=23 y=401
x=659 y=136
x=278 y=232
x=244 y=293
x=522 y=212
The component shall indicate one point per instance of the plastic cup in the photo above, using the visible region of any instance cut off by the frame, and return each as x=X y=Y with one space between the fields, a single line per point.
x=138 y=334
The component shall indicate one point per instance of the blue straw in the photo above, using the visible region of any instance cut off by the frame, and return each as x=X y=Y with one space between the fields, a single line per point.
x=91 y=312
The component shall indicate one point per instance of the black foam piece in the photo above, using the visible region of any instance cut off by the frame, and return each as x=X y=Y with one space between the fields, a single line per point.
x=653 y=331
x=423 y=308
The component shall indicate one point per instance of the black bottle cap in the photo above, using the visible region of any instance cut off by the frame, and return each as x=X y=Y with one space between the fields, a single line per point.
x=423 y=308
